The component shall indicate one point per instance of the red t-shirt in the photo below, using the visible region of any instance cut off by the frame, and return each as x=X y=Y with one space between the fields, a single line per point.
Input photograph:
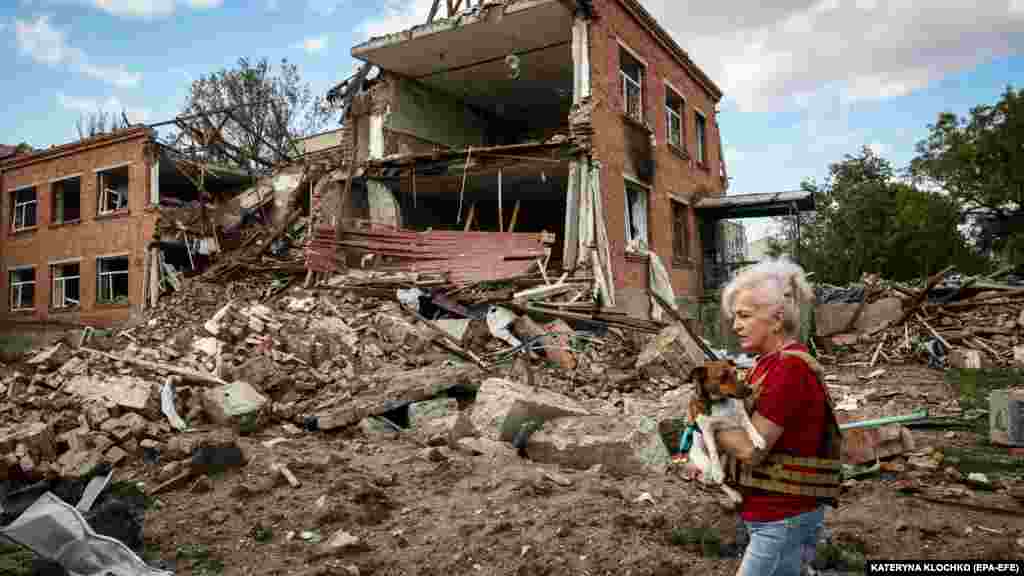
x=792 y=398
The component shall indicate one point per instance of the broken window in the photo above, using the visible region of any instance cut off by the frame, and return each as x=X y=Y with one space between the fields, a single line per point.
x=701 y=128
x=674 y=114
x=112 y=280
x=636 y=218
x=680 y=233
x=632 y=73
x=66 y=282
x=67 y=200
x=23 y=208
x=22 y=282
x=113 y=187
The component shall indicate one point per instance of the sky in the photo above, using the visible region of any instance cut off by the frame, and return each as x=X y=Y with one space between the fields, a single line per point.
x=805 y=82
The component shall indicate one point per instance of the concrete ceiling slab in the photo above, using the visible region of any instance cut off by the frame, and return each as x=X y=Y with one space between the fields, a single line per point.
x=493 y=32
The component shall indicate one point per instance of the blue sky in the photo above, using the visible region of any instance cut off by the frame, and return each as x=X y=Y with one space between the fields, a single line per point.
x=806 y=81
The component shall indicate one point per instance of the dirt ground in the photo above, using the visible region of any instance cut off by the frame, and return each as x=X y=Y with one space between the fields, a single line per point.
x=418 y=510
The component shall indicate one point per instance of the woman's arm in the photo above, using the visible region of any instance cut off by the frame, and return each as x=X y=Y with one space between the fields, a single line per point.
x=737 y=442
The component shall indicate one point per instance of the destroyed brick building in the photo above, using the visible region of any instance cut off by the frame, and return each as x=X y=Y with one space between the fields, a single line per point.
x=81 y=227
x=582 y=119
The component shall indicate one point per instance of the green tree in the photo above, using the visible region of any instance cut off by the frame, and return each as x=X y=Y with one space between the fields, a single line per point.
x=979 y=161
x=249 y=116
x=867 y=221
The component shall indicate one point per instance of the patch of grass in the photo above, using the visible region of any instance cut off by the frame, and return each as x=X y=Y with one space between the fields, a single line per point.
x=975 y=385
x=131 y=492
x=14 y=346
x=846 y=557
x=704 y=539
x=15 y=560
x=262 y=534
x=203 y=562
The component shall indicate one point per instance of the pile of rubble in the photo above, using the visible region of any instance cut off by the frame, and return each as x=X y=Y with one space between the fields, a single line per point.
x=333 y=356
x=965 y=323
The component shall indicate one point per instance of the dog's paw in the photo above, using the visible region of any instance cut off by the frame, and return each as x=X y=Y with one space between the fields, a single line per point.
x=714 y=476
x=758 y=441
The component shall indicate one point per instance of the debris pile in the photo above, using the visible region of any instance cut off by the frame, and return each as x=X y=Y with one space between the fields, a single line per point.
x=963 y=323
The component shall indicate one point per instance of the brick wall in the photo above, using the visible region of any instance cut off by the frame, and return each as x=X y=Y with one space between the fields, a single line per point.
x=673 y=175
x=125 y=232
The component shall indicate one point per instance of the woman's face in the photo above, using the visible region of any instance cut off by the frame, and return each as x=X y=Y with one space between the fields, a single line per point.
x=758 y=329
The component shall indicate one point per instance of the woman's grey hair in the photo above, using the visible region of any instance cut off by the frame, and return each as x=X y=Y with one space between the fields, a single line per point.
x=775 y=283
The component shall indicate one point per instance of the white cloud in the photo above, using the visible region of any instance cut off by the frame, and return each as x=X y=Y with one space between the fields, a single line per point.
x=136 y=8
x=395 y=15
x=48 y=45
x=879 y=148
x=145 y=9
x=42 y=42
x=273 y=5
x=733 y=156
x=111 y=105
x=312 y=44
x=767 y=58
x=115 y=75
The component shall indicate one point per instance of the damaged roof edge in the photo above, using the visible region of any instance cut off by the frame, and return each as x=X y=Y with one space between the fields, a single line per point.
x=437 y=26
x=634 y=7
x=652 y=24
x=21 y=161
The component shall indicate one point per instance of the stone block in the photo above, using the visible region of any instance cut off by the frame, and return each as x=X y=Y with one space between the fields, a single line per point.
x=502 y=407
x=621 y=445
x=36 y=437
x=225 y=403
x=829 y=318
x=125 y=391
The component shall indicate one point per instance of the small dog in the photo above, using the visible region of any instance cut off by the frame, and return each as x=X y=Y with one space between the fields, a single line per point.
x=719 y=404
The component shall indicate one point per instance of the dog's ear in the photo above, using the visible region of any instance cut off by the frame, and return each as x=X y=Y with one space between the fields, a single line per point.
x=699 y=374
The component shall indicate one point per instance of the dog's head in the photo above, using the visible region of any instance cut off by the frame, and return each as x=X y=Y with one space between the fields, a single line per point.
x=719 y=379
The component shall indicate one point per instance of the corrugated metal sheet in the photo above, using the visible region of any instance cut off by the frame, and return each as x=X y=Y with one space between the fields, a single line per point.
x=465 y=257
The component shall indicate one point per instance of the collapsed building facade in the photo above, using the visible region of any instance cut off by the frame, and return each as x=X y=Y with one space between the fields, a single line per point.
x=93 y=231
x=582 y=119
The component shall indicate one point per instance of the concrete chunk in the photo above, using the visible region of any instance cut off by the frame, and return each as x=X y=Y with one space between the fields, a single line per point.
x=36 y=437
x=828 y=318
x=621 y=445
x=232 y=400
x=126 y=391
x=502 y=407
x=52 y=357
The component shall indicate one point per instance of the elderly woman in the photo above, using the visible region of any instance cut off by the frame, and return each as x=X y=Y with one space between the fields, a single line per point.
x=791 y=412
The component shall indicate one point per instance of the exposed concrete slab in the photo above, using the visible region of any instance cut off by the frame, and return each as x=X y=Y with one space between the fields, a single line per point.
x=233 y=400
x=621 y=445
x=829 y=318
x=503 y=406
x=126 y=391
x=391 y=391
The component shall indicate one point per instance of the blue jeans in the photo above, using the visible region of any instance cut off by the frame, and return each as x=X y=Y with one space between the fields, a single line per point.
x=783 y=547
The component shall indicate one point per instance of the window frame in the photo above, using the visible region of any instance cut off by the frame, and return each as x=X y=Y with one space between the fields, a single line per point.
x=20 y=207
x=681 y=255
x=679 y=115
x=103 y=192
x=626 y=81
x=63 y=280
x=101 y=276
x=16 y=288
x=53 y=198
x=701 y=134
x=639 y=187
